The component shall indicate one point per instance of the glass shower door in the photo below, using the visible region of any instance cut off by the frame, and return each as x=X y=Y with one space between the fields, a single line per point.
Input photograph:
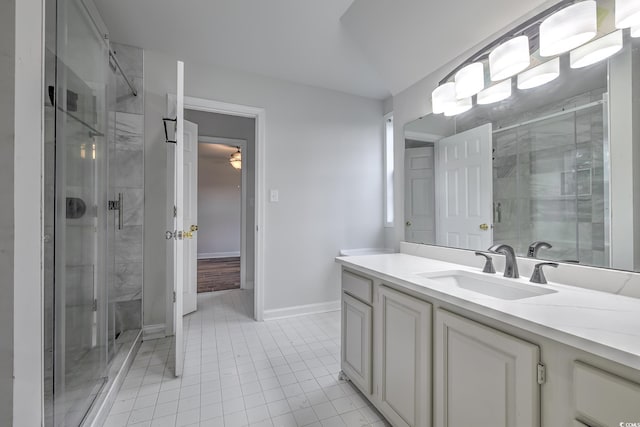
x=80 y=343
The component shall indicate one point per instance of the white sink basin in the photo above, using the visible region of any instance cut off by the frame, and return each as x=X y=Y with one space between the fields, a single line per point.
x=490 y=285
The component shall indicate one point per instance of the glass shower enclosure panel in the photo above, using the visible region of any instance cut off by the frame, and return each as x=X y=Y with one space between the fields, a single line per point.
x=80 y=331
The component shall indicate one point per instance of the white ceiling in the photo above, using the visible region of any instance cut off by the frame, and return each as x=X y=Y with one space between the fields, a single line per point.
x=408 y=40
x=378 y=48
x=215 y=151
x=296 y=40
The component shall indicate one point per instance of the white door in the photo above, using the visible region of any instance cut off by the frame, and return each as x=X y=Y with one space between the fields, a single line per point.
x=483 y=377
x=403 y=324
x=175 y=191
x=419 y=197
x=190 y=217
x=464 y=189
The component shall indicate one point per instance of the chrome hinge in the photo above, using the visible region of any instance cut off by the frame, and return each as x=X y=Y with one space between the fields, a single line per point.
x=174 y=296
x=542 y=374
x=94 y=307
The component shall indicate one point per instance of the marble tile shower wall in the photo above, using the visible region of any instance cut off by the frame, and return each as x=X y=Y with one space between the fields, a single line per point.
x=548 y=182
x=127 y=177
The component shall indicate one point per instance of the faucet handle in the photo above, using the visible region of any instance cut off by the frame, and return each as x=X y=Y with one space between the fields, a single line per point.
x=538 y=274
x=488 y=265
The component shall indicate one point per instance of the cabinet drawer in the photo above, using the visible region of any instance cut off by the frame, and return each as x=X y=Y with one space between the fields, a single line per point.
x=358 y=286
x=604 y=399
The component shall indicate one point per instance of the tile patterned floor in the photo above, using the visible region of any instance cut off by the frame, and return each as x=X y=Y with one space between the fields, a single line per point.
x=237 y=372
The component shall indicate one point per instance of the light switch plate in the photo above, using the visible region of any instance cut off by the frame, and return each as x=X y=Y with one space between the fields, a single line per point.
x=274 y=195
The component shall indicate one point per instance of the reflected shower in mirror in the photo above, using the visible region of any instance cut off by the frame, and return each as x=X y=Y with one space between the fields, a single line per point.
x=557 y=164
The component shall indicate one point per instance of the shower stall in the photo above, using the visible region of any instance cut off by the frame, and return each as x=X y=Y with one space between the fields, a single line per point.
x=81 y=214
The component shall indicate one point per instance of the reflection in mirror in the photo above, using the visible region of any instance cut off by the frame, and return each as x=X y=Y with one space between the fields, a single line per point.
x=551 y=164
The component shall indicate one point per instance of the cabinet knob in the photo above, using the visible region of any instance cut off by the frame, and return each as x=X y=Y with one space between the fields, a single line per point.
x=408 y=223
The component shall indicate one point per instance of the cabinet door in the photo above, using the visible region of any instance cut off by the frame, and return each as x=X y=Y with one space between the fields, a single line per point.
x=356 y=342
x=483 y=377
x=404 y=369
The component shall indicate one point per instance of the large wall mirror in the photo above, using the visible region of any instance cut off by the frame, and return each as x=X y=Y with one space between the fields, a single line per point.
x=553 y=171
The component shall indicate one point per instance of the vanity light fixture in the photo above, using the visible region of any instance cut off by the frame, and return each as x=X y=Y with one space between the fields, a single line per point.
x=569 y=28
x=443 y=97
x=635 y=31
x=627 y=13
x=539 y=75
x=460 y=106
x=236 y=159
x=509 y=58
x=469 y=80
x=596 y=50
x=497 y=92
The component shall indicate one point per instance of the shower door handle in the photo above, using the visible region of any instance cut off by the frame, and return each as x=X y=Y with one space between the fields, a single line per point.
x=118 y=205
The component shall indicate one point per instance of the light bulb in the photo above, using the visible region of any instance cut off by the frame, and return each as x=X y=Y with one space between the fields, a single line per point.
x=539 y=75
x=497 y=92
x=469 y=80
x=459 y=107
x=627 y=13
x=509 y=58
x=596 y=50
x=568 y=28
x=443 y=97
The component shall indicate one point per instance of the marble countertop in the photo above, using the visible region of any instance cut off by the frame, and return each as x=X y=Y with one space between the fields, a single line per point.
x=604 y=324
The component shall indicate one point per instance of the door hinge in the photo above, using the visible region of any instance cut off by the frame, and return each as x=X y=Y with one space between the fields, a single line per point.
x=174 y=296
x=114 y=205
x=175 y=211
x=94 y=306
x=542 y=374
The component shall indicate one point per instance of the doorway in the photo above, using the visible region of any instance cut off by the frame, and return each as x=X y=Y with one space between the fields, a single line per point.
x=226 y=200
x=222 y=201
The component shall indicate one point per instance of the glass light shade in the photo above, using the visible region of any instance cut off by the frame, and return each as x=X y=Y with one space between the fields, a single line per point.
x=568 y=28
x=597 y=50
x=443 y=97
x=635 y=31
x=497 y=92
x=509 y=58
x=627 y=13
x=236 y=159
x=460 y=106
x=469 y=80
x=539 y=75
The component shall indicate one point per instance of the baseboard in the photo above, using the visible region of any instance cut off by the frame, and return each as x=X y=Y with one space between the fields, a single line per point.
x=301 y=310
x=152 y=332
x=219 y=255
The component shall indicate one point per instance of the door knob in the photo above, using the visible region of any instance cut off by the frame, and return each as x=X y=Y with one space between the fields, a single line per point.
x=484 y=227
x=408 y=223
x=194 y=228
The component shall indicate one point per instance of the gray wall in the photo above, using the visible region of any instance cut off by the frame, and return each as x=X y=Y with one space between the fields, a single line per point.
x=219 y=196
x=324 y=155
x=7 y=72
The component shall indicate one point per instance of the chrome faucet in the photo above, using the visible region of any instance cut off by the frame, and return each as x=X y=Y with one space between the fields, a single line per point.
x=511 y=265
x=535 y=247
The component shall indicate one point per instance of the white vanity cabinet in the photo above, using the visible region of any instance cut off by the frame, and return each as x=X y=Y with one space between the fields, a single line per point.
x=357 y=323
x=403 y=352
x=604 y=399
x=483 y=377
